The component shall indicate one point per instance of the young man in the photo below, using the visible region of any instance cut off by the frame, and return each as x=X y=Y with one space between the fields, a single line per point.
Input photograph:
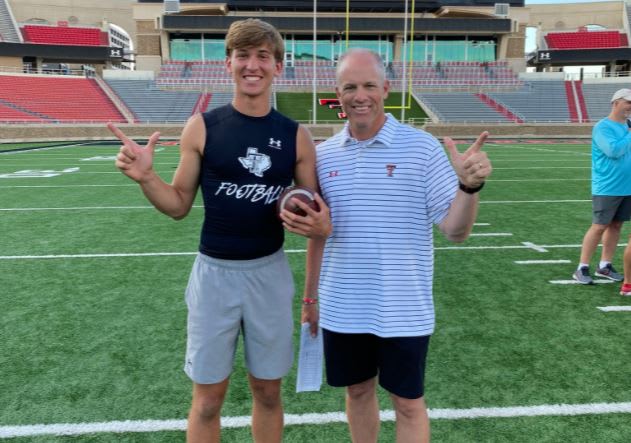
x=611 y=189
x=242 y=155
x=386 y=185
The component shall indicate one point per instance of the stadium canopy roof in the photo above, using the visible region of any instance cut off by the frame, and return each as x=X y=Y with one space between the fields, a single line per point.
x=333 y=25
x=340 y=5
x=63 y=53
x=579 y=57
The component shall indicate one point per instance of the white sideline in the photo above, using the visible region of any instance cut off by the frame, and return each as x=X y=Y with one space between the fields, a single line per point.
x=614 y=308
x=301 y=419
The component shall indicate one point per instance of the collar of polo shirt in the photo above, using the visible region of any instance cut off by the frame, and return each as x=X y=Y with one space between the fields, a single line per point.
x=384 y=136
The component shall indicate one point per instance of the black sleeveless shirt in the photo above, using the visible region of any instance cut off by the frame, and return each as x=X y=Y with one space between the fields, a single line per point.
x=247 y=163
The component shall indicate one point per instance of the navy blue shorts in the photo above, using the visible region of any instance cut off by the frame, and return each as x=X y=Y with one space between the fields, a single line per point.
x=398 y=361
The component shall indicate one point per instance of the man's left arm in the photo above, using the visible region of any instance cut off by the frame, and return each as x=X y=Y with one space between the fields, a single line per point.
x=472 y=168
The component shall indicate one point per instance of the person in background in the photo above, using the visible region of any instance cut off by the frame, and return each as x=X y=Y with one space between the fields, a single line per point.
x=611 y=189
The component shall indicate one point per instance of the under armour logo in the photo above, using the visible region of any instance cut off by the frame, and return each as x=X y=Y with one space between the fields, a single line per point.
x=390 y=169
x=334 y=173
x=256 y=163
x=274 y=143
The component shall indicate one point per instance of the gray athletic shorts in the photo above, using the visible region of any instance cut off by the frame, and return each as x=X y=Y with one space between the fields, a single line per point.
x=606 y=209
x=225 y=297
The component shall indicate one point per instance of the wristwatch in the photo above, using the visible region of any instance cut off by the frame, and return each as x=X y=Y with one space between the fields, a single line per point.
x=469 y=190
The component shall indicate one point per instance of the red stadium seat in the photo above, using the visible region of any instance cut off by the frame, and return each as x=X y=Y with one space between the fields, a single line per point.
x=55 y=35
x=59 y=99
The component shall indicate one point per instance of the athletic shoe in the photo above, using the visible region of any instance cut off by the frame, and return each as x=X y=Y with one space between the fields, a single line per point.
x=610 y=273
x=582 y=276
x=625 y=289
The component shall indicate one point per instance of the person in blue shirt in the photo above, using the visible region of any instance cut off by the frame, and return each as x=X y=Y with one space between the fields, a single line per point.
x=611 y=189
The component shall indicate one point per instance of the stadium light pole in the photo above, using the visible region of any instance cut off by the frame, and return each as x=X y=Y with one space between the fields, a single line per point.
x=404 y=60
x=314 y=80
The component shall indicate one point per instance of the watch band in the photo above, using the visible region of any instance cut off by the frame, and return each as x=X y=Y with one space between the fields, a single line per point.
x=469 y=190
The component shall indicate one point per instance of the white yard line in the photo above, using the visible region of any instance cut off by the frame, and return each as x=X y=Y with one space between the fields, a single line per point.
x=316 y=419
x=541 y=262
x=490 y=234
x=532 y=201
x=614 y=308
x=574 y=282
x=534 y=246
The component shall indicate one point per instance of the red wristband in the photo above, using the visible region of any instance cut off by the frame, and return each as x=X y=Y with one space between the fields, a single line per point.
x=309 y=301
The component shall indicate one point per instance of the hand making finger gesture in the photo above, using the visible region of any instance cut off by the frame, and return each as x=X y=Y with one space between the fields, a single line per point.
x=471 y=166
x=134 y=161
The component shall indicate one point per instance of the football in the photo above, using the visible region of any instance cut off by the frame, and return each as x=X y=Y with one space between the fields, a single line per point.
x=301 y=193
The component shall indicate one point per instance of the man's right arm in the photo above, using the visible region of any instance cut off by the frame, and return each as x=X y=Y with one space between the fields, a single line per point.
x=175 y=199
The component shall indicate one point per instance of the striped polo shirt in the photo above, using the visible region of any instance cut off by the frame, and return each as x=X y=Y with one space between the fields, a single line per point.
x=385 y=194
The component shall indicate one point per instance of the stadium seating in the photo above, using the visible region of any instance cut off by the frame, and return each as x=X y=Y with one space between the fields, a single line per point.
x=59 y=99
x=61 y=35
x=537 y=101
x=598 y=98
x=461 y=107
x=150 y=104
x=9 y=114
x=220 y=99
x=585 y=39
x=300 y=75
x=8 y=31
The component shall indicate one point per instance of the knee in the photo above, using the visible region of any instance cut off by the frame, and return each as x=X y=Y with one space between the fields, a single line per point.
x=598 y=229
x=615 y=225
x=207 y=407
x=361 y=391
x=410 y=409
x=266 y=394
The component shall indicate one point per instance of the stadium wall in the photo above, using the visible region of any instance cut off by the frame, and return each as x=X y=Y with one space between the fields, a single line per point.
x=75 y=13
x=11 y=62
x=570 y=16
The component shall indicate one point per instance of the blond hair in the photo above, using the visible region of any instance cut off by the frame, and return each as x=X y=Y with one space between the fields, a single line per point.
x=253 y=32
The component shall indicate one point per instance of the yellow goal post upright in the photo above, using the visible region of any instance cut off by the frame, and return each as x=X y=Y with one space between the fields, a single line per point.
x=407 y=58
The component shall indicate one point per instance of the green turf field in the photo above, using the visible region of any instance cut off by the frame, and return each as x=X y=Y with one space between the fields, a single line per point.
x=297 y=105
x=93 y=317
